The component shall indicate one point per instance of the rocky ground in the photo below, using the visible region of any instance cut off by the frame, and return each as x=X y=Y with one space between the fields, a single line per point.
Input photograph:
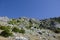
x=34 y=29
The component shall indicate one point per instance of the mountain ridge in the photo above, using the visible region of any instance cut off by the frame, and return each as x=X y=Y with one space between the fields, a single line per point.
x=30 y=28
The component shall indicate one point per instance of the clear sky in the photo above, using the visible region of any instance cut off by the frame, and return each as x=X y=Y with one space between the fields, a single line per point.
x=30 y=8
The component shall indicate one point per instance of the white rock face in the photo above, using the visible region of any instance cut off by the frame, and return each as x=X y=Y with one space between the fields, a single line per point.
x=21 y=38
x=4 y=19
x=58 y=25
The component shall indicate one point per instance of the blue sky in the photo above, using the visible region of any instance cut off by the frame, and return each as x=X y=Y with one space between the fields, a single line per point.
x=30 y=8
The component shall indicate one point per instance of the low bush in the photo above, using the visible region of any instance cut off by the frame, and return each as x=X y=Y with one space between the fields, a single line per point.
x=5 y=27
x=6 y=33
x=15 y=29
x=22 y=31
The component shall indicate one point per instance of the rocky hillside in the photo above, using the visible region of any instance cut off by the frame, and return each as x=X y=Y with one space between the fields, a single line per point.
x=29 y=28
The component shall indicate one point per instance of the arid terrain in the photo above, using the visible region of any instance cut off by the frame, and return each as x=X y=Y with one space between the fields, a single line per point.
x=24 y=28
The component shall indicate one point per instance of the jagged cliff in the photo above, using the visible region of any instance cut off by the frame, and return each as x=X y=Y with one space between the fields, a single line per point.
x=29 y=28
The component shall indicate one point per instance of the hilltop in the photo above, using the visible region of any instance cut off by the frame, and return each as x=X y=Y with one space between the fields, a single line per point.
x=24 y=28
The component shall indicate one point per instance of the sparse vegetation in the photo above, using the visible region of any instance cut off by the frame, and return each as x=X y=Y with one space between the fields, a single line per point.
x=15 y=29
x=30 y=27
x=57 y=30
x=13 y=21
x=57 y=19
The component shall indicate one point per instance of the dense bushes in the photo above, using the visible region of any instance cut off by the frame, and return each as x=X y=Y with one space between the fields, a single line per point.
x=5 y=27
x=6 y=33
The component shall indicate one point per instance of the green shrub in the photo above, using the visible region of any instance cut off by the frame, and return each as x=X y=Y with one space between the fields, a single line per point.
x=15 y=29
x=22 y=31
x=5 y=27
x=6 y=33
x=30 y=25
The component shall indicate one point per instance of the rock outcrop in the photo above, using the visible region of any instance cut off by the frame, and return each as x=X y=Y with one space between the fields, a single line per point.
x=30 y=29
